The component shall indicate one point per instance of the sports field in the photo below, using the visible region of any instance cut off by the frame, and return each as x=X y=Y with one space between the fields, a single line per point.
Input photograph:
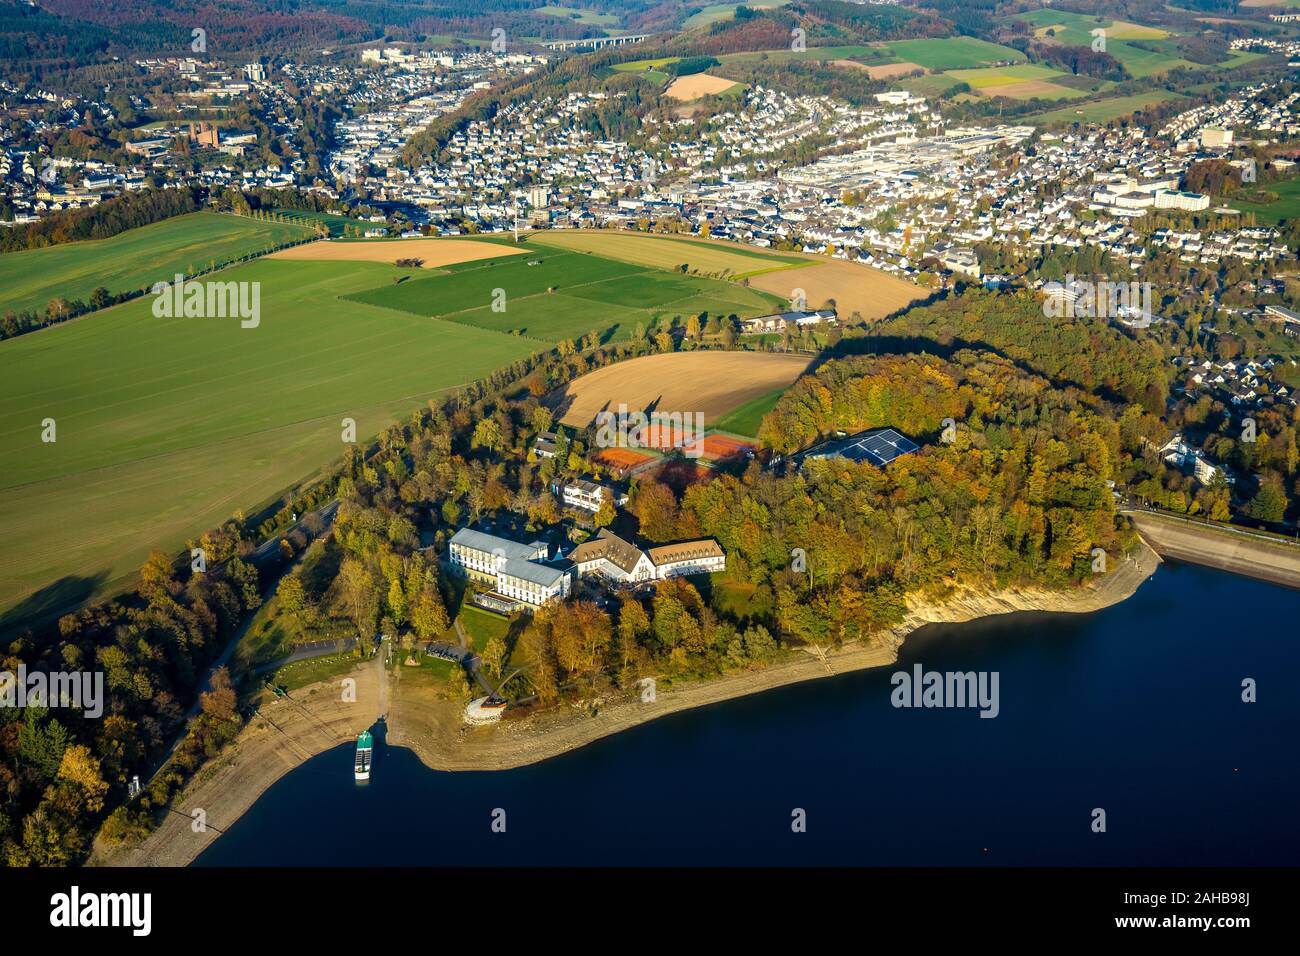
x=550 y=295
x=710 y=382
x=166 y=427
x=953 y=53
x=134 y=259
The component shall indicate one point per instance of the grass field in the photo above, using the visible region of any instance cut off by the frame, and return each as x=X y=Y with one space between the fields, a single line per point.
x=712 y=258
x=590 y=17
x=551 y=295
x=717 y=12
x=745 y=419
x=134 y=259
x=864 y=53
x=166 y=427
x=1286 y=206
x=953 y=53
x=931 y=85
x=1103 y=111
x=1019 y=81
x=337 y=225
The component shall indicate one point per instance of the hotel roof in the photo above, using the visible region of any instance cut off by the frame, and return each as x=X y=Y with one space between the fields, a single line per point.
x=491 y=544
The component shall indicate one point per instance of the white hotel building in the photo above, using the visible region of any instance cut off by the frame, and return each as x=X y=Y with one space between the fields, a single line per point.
x=515 y=570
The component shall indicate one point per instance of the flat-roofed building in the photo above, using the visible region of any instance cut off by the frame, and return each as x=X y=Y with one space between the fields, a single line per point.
x=481 y=556
x=532 y=583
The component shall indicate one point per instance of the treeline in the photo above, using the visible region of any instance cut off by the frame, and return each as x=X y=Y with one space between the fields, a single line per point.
x=128 y=211
x=1018 y=497
x=1088 y=352
x=59 y=769
x=824 y=22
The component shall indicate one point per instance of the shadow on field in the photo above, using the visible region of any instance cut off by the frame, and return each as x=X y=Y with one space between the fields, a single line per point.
x=61 y=597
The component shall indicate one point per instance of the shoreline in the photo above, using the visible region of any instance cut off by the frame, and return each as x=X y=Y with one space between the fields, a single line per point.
x=433 y=730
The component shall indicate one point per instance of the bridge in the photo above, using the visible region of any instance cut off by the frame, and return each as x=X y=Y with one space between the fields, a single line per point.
x=595 y=43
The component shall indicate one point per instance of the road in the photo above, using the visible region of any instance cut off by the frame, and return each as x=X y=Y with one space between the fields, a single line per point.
x=327 y=516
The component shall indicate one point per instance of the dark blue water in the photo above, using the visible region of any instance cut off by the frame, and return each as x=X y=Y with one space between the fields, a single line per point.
x=1136 y=709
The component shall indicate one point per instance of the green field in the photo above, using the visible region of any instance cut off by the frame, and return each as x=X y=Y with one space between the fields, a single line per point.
x=746 y=419
x=861 y=52
x=953 y=53
x=932 y=85
x=135 y=259
x=590 y=17
x=166 y=427
x=1103 y=111
x=1286 y=206
x=552 y=295
x=716 y=12
x=338 y=225
x=1021 y=81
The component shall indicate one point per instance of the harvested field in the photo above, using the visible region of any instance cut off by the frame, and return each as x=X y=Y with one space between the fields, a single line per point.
x=434 y=252
x=883 y=71
x=1029 y=89
x=687 y=88
x=853 y=287
x=710 y=382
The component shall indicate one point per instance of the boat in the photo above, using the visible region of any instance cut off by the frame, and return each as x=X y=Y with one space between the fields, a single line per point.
x=365 y=750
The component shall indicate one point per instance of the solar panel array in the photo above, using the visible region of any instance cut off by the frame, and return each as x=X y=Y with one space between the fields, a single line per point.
x=879 y=448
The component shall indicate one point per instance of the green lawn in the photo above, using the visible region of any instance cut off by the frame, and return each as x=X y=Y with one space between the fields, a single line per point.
x=565 y=295
x=1286 y=206
x=338 y=225
x=166 y=427
x=746 y=419
x=481 y=626
x=134 y=259
x=953 y=53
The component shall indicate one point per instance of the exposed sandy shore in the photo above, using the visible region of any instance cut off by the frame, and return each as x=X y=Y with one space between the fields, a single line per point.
x=432 y=727
x=1218 y=548
x=314 y=720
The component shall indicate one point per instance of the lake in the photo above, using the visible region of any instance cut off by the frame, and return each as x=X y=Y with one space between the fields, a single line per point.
x=1136 y=710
